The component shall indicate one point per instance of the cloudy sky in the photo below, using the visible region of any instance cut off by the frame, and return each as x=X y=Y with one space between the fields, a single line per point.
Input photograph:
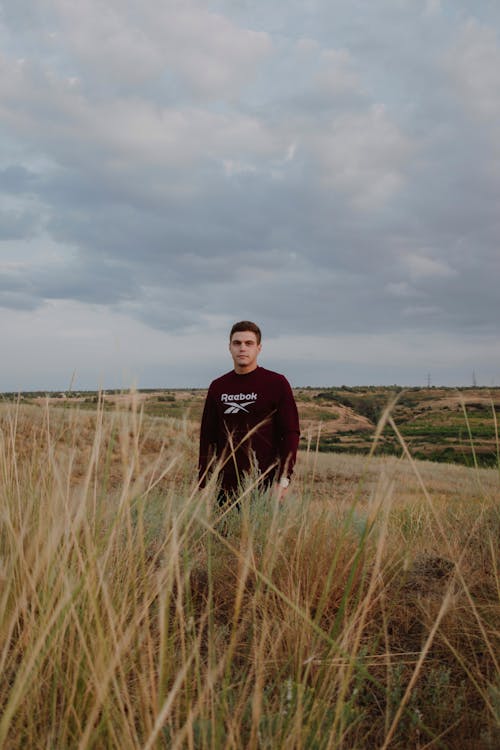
x=328 y=168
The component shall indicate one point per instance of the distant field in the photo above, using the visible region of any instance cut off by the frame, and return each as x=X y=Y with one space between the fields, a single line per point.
x=438 y=424
x=363 y=613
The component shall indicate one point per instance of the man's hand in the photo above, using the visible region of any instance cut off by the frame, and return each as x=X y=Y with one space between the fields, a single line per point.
x=279 y=492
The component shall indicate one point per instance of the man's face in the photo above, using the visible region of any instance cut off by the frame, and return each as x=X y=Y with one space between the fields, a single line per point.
x=244 y=351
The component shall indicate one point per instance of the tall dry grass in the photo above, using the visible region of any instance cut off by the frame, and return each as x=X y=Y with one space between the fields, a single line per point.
x=364 y=613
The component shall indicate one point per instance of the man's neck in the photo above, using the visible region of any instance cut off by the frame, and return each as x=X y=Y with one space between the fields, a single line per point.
x=245 y=370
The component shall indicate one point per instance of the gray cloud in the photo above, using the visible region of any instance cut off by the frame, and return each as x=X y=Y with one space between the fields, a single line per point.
x=331 y=167
x=17 y=224
x=16 y=179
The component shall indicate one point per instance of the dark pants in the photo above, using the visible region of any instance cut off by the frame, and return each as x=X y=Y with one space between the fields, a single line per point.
x=228 y=496
x=225 y=498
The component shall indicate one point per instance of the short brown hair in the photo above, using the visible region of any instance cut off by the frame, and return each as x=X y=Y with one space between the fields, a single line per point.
x=246 y=325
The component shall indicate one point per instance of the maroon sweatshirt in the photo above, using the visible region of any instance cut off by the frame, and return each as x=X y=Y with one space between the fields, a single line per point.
x=260 y=401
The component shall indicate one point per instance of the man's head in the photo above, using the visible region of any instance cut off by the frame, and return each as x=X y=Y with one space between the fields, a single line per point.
x=246 y=325
x=245 y=346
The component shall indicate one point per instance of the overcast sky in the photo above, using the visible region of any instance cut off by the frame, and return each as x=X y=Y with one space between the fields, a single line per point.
x=327 y=168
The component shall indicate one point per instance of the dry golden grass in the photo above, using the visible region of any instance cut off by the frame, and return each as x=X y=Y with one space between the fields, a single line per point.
x=362 y=614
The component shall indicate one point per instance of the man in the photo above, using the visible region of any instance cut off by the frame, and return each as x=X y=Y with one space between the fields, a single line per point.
x=250 y=423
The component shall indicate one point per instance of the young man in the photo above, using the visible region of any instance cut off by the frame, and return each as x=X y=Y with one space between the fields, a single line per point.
x=250 y=423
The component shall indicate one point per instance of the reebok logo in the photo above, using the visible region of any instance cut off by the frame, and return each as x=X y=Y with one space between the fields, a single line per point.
x=246 y=399
x=238 y=397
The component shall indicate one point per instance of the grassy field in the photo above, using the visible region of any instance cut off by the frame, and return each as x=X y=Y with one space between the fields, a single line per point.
x=438 y=424
x=363 y=613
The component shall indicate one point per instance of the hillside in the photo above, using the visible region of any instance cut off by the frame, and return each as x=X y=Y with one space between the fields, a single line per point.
x=438 y=424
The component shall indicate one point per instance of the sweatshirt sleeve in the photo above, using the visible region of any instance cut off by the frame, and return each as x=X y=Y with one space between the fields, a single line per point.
x=288 y=423
x=208 y=438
